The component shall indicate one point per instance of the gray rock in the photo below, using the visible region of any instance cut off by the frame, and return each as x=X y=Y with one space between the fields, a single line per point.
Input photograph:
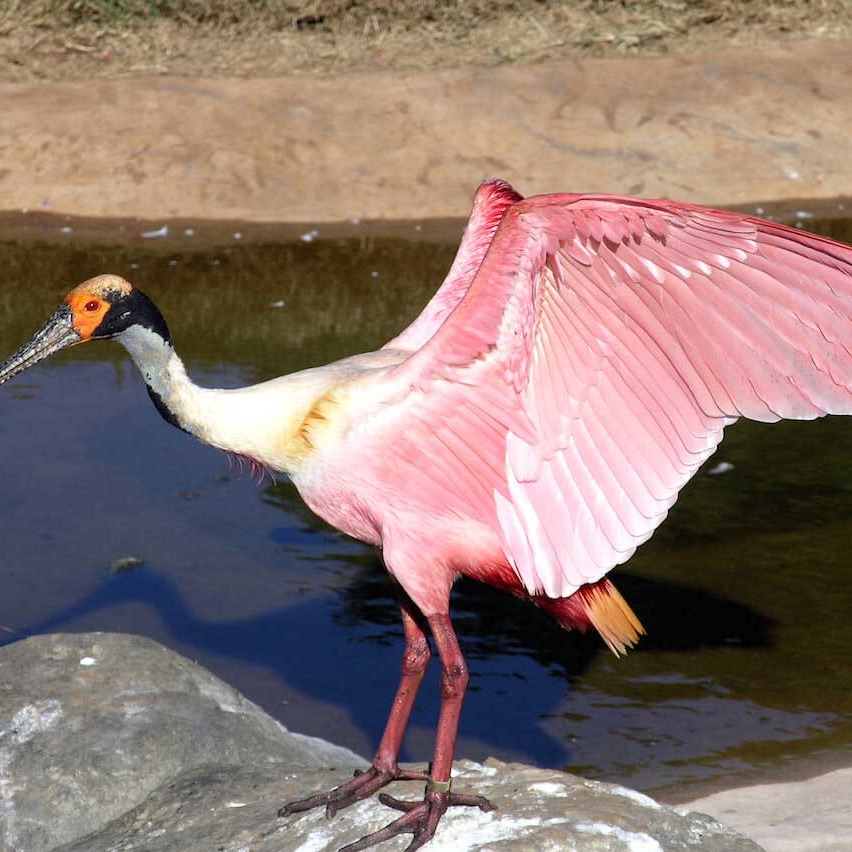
x=538 y=809
x=112 y=742
x=91 y=724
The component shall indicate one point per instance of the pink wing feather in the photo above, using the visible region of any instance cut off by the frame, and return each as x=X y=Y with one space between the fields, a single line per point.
x=593 y=362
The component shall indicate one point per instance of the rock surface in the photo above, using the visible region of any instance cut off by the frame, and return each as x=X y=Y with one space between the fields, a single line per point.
x=542 y=810
x=112 y=742
x=738 y=126
x=91 y=724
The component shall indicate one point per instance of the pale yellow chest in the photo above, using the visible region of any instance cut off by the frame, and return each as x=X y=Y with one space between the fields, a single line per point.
x=306 y=434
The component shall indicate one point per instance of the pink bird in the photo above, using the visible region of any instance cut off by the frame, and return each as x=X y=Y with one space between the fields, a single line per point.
x=533 y=425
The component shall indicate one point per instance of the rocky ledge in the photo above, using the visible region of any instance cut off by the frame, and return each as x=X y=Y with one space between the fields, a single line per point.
x=113 y=742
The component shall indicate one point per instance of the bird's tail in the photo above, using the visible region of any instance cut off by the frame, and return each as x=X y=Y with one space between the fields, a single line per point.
x=599 y=605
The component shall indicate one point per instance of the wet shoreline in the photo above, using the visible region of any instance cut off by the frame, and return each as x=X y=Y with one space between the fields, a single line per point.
x=169 y=234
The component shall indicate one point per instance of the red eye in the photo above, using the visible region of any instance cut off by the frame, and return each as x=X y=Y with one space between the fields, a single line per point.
x=91 y=306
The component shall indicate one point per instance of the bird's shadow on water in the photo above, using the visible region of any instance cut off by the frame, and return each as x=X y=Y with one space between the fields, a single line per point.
x=347 y=646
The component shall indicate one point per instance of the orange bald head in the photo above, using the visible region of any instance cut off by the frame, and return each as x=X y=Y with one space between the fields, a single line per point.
x=91 y=301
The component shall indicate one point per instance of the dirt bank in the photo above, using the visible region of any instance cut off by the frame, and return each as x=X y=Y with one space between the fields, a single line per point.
x=723 y=128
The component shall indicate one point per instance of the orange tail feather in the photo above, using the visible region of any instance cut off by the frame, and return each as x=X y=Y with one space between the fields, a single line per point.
x=599 y=605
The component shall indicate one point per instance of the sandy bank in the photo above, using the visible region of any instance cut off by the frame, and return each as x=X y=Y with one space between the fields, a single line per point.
x=720 y=129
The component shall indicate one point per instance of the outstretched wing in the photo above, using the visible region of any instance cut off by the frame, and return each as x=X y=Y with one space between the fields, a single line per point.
x=489 y=203
x=596 y=357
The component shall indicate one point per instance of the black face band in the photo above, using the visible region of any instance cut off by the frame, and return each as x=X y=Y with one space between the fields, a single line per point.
x=133 y=308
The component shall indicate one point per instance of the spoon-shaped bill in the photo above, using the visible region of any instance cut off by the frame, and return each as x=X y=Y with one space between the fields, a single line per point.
x=57 y=333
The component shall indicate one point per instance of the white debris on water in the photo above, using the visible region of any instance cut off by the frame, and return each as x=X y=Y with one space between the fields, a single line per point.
x=722 y=467
x=125 y=563
x=153 y=235
x=88 y=661
x=66 y=229
x=310 y=236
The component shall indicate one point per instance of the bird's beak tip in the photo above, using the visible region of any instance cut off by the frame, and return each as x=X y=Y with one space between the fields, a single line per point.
x=58 y=333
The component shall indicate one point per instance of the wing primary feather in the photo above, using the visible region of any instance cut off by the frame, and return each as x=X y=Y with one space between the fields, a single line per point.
x=635 y=306
x=660 y=386
x=620 y=355
x=615 y=457
x=632 y=339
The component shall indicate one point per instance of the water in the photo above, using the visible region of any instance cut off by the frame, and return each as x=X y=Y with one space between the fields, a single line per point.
x=745 y=590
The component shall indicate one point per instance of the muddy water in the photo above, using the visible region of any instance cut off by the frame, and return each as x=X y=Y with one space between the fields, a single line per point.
x=746 y=590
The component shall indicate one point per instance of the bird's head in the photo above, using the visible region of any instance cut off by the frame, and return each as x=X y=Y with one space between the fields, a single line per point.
x=102 y=307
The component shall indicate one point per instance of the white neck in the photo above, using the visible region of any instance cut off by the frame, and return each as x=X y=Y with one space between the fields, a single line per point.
x=255 y=421
x=152 y=356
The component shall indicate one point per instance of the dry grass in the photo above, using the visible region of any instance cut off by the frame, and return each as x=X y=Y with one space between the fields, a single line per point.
x=61 y=39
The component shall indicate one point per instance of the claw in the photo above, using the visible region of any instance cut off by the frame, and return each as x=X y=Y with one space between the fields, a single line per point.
x=419 y=819
x=453 y=799
x=364 y=784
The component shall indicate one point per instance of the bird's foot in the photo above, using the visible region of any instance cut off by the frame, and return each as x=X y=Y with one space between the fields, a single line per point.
x=364 y=784
x=420 y=819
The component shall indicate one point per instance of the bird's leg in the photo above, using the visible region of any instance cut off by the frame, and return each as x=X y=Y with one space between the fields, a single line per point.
x=385 y=766
x=421 y=818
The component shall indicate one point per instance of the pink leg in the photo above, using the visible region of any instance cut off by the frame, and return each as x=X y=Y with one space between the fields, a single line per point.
x=415 y=659
x=421 y=818
x=385 y=766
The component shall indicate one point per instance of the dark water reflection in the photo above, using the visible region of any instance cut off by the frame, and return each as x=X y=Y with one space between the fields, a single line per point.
x=745 y=590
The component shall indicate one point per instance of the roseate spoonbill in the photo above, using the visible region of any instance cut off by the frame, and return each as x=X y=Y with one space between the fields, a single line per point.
x=532 y=426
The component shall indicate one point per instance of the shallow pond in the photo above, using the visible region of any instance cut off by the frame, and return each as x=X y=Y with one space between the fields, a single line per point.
x=745 y=591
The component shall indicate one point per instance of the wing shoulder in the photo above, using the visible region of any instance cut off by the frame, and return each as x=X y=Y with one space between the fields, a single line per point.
x=490 y=202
